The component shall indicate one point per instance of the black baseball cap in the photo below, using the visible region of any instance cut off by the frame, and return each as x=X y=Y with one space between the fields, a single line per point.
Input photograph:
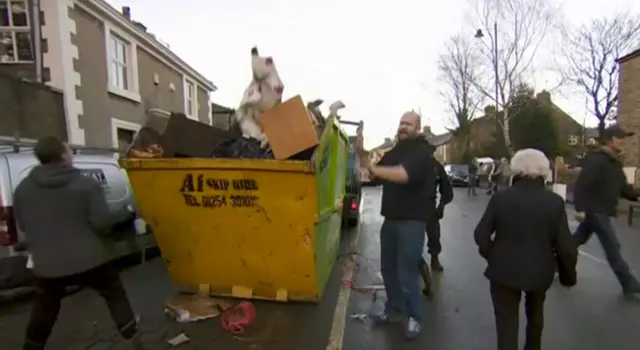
x=615 y=131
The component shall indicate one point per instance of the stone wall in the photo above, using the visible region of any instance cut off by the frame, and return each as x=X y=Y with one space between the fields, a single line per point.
x=30 y=109
x=629 y=107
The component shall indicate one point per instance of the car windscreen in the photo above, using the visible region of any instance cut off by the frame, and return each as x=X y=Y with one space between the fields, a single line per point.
x=459 y=168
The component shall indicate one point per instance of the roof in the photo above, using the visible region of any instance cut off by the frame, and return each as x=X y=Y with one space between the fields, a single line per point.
x=633 y=54
x=388 y=143
x=439 y=140
x=146 y=40
x=216 y=108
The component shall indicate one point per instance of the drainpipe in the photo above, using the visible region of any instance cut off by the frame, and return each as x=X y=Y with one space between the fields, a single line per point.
x=37 y=38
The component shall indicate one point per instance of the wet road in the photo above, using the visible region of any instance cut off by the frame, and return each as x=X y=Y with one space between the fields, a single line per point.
x=591 y=316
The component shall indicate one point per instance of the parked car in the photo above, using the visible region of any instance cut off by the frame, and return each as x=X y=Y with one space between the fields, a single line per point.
x=16 y=161
x=458 y=174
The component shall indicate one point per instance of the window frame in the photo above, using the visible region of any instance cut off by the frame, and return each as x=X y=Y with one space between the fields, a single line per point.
x=122 y=124
x=114 y=37
x=190 y=102
x=13 y=30
x=573 y=140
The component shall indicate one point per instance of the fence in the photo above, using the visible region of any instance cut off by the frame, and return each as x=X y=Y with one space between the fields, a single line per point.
x=30 y=110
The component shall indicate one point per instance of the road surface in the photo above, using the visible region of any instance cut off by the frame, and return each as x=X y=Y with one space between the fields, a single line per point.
x=591 y=316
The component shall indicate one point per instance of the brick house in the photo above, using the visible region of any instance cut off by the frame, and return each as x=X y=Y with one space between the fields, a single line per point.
x=114 y=74
x=571 y=134
x=221 y=115
x=629 y=105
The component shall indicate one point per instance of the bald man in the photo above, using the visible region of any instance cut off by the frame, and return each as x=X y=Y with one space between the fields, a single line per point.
x=407 y=176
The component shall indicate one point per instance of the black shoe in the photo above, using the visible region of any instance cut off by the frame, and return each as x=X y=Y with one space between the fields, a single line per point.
x=435 y=264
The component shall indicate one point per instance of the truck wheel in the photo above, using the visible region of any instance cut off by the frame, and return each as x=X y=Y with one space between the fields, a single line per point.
x=353 y=222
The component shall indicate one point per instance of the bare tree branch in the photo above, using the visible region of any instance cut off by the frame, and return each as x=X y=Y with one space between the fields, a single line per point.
x=458 y=68
x=588 y=59
x=522 y=26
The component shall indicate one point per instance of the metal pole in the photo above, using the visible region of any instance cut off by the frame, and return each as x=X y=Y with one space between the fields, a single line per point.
x=36 y=29
x=495 y=61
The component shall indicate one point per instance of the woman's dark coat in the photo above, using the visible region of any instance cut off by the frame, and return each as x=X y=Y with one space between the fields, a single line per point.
x=524 y=236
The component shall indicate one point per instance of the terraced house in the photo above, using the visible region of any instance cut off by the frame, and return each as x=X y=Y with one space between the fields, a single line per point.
x=629 y=104
x=114 y=74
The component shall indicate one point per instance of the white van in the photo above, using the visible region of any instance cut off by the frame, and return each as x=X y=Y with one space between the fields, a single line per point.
x=17 y=160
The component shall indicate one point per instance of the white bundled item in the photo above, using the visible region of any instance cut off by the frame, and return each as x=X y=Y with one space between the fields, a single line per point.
x=335 y=107
x=263 y=93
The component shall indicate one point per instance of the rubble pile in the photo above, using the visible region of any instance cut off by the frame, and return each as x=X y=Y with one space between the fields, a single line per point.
x=263 y=126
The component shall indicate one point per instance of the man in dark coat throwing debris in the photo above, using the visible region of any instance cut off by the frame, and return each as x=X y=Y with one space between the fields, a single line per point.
x=408 y=176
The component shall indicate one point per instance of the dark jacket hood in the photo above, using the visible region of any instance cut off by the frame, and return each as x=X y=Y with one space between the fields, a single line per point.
x=53 y=175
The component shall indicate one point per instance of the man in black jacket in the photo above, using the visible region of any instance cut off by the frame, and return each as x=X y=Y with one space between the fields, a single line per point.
x=407 y=175
x=63 y=213
x=599 y=186
x=473 y=177
x=433 y=221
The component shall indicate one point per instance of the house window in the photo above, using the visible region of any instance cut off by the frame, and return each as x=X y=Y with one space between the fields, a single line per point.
x=119 y=63
x=125 y=137
x=15 y=33
x=122 y=64
x=123 y=133
x=592 y=141
x=190 y=99
x=573 y=140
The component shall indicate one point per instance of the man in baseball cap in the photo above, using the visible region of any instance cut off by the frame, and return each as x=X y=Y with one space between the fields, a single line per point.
x=615 y=132
x=599 y=186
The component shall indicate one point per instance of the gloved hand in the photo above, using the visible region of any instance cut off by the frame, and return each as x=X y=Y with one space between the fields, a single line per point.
x=440 y=212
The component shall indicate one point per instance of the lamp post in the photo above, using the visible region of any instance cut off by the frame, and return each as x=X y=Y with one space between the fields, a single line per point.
x=494 y=43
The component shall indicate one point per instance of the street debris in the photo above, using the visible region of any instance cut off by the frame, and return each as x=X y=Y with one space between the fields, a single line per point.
x=239 y=317
x=192 y=308
x=359 y=317
x=179 y=340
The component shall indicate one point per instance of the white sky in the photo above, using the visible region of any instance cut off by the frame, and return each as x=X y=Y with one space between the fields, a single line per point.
x=377 y=56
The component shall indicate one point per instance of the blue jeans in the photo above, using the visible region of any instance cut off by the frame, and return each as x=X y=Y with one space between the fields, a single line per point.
x=600 y=224
x=401 y=246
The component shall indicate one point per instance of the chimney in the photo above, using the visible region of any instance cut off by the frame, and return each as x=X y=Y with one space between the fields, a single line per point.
x=489 y=110
x=426 y=130
x=544 y=97
x=126 y=11
x=387 y=140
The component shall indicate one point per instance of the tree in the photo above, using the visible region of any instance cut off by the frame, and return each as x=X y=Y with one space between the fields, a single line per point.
x=515 y=29
x=535 y=126
x=458 y=68
x=589 y=54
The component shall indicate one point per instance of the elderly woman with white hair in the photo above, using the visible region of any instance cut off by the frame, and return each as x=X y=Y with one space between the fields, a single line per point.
x=524 y=237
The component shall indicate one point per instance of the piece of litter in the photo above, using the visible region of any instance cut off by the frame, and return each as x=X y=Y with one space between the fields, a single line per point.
x=179 y=339
x=360 y=317
x=373 y=287
x=194 y=308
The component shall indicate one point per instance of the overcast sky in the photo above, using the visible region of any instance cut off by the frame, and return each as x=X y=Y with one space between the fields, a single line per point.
x=378 y=56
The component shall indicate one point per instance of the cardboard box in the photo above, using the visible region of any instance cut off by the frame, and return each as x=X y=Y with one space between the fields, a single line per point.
x=289 y=128
x=184 y=137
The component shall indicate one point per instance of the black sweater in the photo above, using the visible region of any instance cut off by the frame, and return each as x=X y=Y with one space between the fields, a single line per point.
x=412 y=200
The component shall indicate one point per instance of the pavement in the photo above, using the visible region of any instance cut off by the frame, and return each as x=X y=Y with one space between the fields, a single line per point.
x=591 y=316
